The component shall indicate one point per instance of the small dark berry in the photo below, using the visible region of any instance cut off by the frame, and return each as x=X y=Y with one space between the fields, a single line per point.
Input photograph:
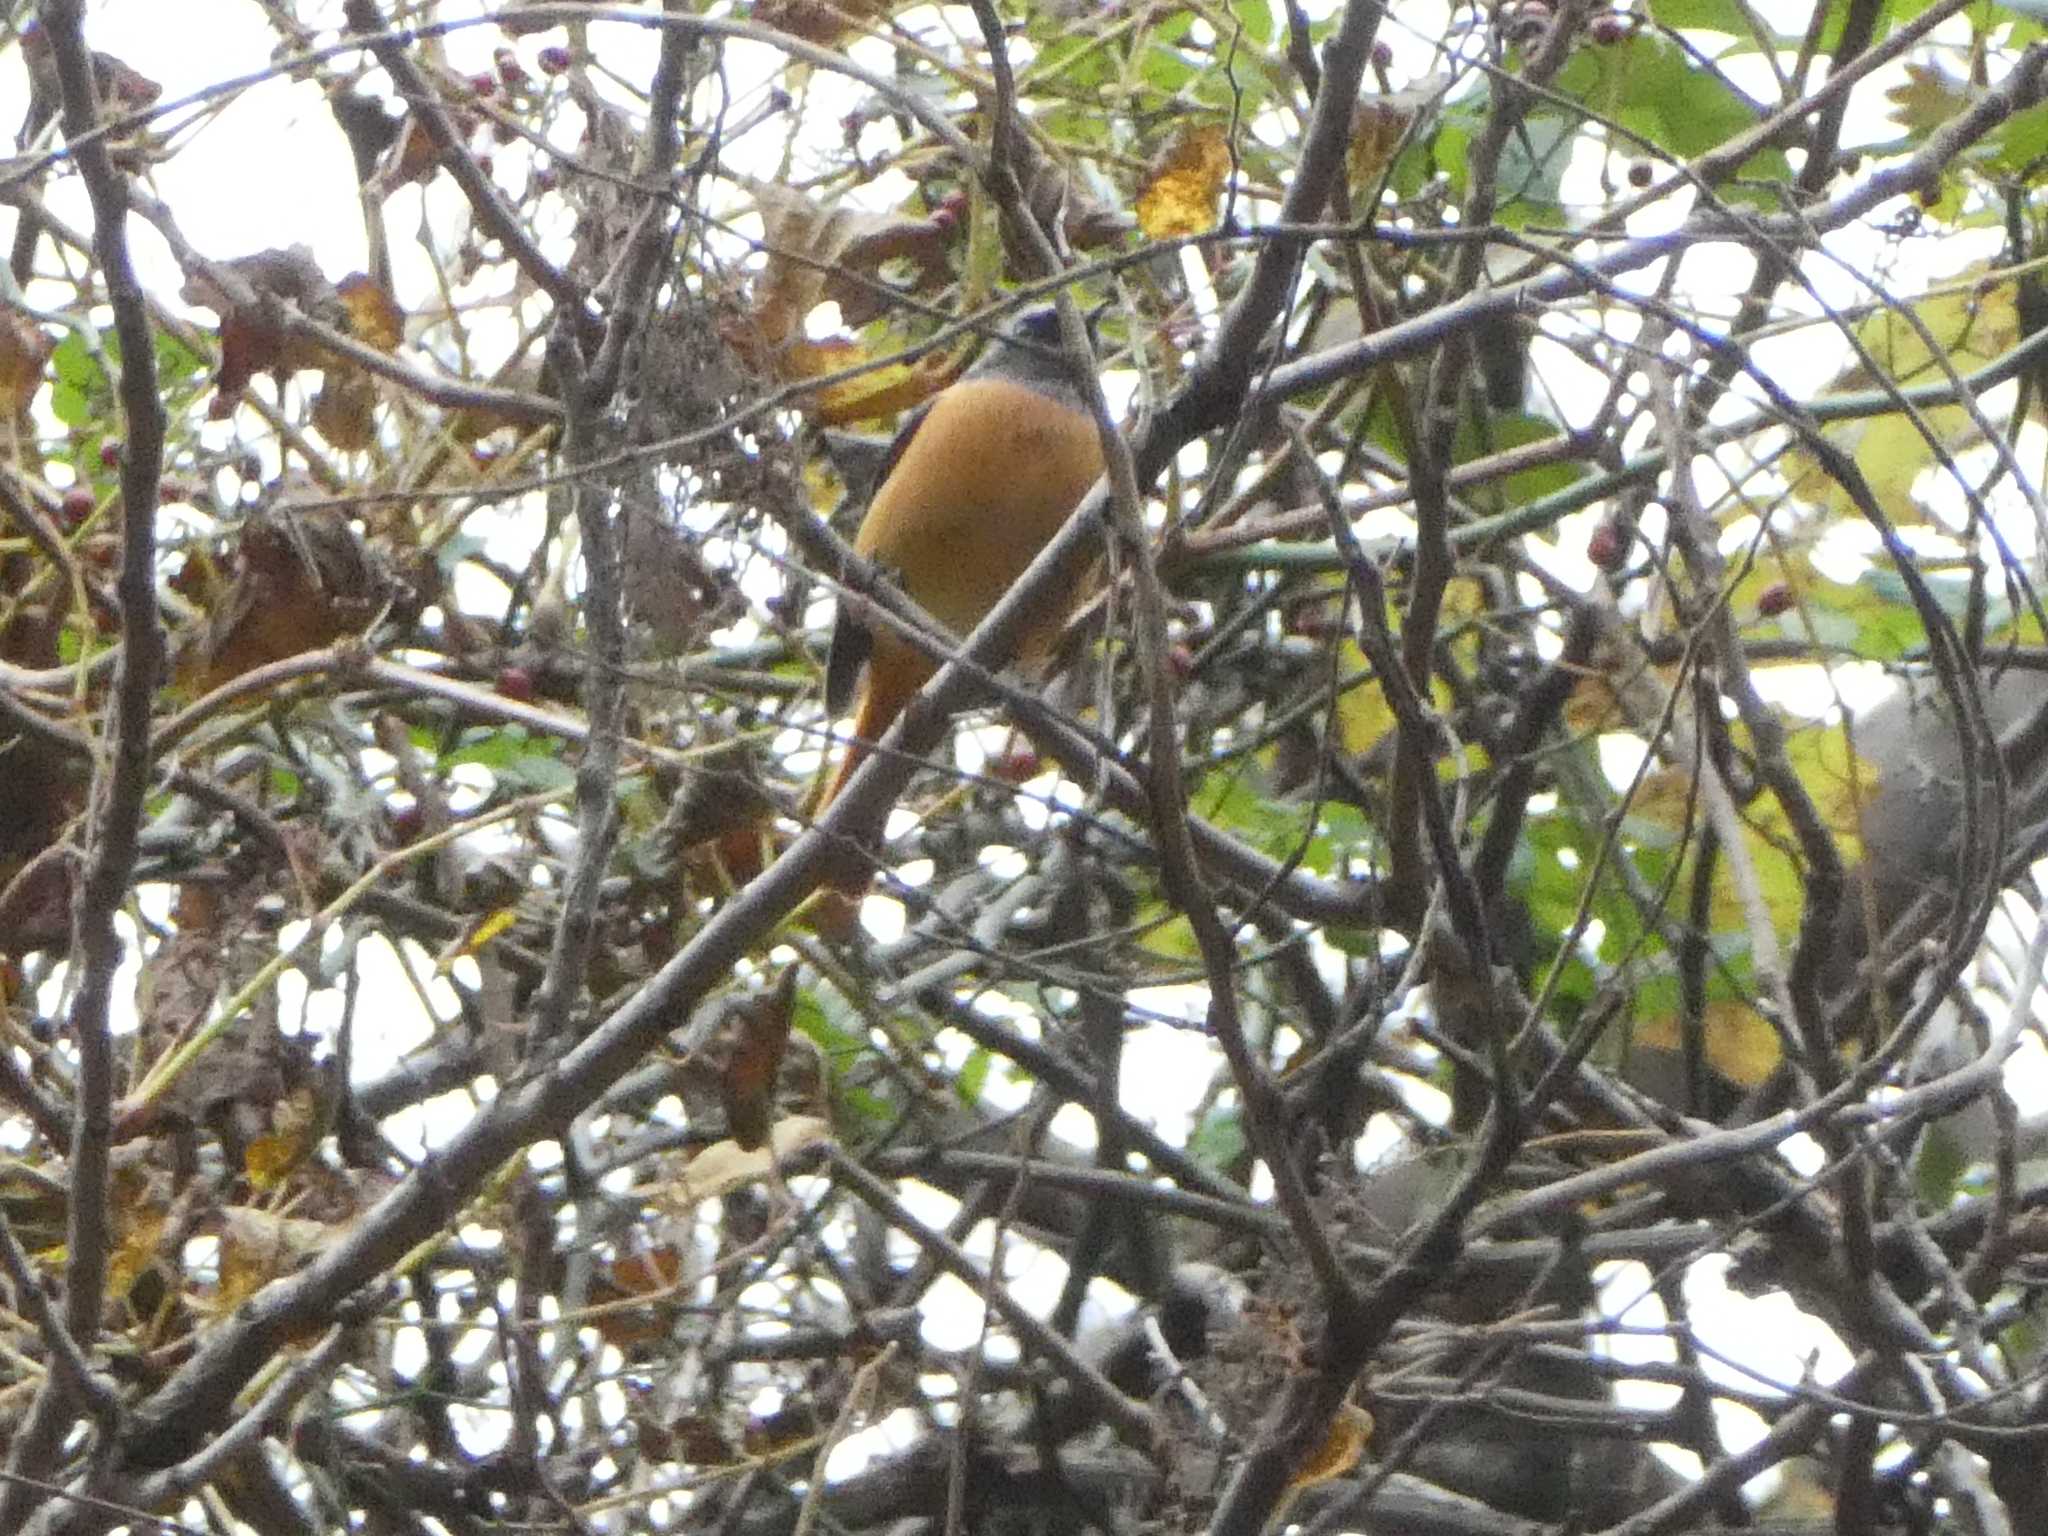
x=110 y=453
x=1180 y=661
x=1606 y=548
x=1382 y=56
x=483 y=85
x=555 y=59
x=408 y=824
x=1775 y=599
x=1607 y=28
x=510 y=70
x=516 y=683
x=76 y=507
x=1641 y=173
x=1313 y=621
x=1019 y=765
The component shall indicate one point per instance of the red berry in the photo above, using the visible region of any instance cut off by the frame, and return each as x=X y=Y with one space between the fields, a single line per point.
x=510 y=70
x=516 y=683
x=76 y=507
x=1775 y=599
x=1607 y=28
x=1641 y=173
x=1382 y=56
x=1019 y=765
x=483 y=85
x=1606 y=548
x=110 y=453
x=555 y=59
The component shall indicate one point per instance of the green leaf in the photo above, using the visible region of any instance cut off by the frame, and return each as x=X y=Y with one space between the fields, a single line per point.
x=838 y=1045
x=1275 y=828
x=1532 y=167
x=1219 y=1141
x=1701 y=16
x=1517 y=431
x=177 y=363
x=1657 y=91
x=70 y=405
x=1938 y=1167
x=973 y=1076
x=516 y=758
x=74 y=364
x=1170 y=936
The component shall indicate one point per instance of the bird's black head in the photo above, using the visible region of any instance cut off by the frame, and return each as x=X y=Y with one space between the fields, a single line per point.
x=1037 y=326
x=1031 y=349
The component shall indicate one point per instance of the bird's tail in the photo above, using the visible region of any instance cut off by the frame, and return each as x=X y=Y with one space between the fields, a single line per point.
x=883 y=696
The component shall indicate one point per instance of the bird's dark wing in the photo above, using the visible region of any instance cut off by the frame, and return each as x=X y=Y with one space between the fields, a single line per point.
x=852 y=641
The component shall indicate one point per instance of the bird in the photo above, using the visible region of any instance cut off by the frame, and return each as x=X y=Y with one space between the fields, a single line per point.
x=974 y=486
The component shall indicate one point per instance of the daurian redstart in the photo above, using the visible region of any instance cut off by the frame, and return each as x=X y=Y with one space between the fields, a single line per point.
x=975 y=485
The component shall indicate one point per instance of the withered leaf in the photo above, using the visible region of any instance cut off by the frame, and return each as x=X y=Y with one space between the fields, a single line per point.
x=760 y=1036
x=1183 y=183
x=24 y=348
x=303 y=579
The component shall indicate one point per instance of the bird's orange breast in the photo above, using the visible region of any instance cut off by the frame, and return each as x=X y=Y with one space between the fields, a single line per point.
x=986 y=480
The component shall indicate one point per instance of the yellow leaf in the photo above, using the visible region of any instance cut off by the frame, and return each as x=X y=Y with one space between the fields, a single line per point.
x=1840 y=783
x=295 y=1131
x=256 y=1247
x=493 y=925
x=885 y=390
x=1180 y=191
x=141 y=1210
x=1970 y=324
x=1363 y=715
x=1740 y=1043
x=1376 y=133
x=374 y=317
x=1665 y=799
x=1929 y=97
x=1349 y=1433
x=140 y=1231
